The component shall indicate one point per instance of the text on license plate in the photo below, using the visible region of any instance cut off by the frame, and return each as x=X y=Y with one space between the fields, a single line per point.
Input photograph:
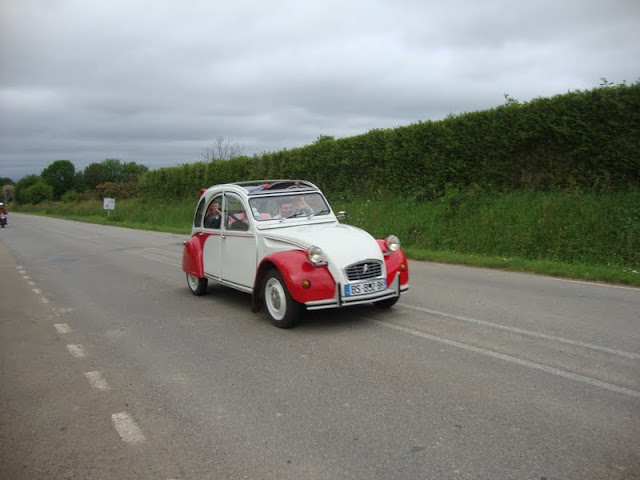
x=362 y=288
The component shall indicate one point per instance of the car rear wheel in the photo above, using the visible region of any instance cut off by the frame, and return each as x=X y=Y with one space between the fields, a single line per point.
x=387 y=303
x=283 y=310
x=197 y=285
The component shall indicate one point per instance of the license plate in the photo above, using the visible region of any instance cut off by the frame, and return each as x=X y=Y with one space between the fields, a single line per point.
x=363 y=288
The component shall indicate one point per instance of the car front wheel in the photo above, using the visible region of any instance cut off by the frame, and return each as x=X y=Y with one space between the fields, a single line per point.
x=283 y=310
x=197 y=285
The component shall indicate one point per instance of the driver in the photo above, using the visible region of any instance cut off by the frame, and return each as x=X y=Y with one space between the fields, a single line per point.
x=286 y=209
x=212 y=219
x=3 y=211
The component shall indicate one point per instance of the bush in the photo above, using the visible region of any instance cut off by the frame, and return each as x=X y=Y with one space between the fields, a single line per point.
x=70 y=196
x=39 y=192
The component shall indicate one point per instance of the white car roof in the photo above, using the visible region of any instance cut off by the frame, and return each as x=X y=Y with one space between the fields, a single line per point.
x=266 y=187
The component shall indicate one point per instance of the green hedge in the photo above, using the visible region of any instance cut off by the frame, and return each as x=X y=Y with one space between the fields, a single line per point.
x=586 y=139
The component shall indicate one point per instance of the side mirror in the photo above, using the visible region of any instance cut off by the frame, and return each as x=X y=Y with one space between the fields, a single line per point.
x=341 y=215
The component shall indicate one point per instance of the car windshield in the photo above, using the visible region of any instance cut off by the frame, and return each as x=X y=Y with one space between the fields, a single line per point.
x=288 y=206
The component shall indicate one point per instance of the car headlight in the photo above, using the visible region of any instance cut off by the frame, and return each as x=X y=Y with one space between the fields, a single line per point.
x=393 y=243
x=316 y=255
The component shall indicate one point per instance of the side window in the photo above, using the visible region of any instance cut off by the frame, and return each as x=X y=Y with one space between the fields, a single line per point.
x=213 y=217
x=197 y=220
x=235 y=215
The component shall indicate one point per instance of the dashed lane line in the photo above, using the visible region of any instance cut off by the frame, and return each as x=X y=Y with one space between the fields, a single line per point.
x=127 y=428
x=77 y=351
x=97 y=381
x=62 y=328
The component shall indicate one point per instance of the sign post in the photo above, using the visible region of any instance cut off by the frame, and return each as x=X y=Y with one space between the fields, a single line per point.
x=108 y=204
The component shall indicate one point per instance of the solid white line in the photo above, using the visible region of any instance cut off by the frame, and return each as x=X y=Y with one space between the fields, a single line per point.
x=596 y=284
x=97 y=381
x=62 y=328
x=77 y=351
x=509 y=358
x=127 y=428
x=554 y=338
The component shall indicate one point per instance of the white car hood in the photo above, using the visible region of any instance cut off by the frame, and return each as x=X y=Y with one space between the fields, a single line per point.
x=342 y=244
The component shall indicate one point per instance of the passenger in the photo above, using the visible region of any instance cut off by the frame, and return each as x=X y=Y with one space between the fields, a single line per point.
x=238 y=221
x=302 y=207
x=259 y=209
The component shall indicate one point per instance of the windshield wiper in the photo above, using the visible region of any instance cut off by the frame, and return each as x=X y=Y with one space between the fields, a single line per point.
x=321 y=212
x=300 y=213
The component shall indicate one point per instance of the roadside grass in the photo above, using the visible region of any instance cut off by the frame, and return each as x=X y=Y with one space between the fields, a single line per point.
x=173 y=217
x=580 y=235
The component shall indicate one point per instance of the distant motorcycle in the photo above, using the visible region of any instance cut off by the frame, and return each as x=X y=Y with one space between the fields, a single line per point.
x=3 y=220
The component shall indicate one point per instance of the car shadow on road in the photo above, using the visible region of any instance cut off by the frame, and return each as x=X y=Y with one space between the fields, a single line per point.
x=329 y=320
x=340 y=319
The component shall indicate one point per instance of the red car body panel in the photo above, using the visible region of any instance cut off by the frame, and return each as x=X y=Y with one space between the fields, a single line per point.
x=294 y=267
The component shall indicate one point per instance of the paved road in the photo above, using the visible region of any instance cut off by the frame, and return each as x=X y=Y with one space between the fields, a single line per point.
x=112 y=369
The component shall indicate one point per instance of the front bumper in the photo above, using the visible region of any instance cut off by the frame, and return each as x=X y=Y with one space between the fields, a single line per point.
x=394 y=290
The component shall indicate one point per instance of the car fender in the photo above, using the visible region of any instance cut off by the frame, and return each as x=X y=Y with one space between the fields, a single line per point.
x=395 y=262
x=192 y=257
x=295 y=267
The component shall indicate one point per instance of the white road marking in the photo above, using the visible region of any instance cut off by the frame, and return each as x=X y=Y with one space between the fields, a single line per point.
x=127 y=428
x=97 y=381
x=62 y=328
x=613 y=351
x=509 y=358
x=37 y=291
x=77 y=351
x=586 y=282
x=44 y=300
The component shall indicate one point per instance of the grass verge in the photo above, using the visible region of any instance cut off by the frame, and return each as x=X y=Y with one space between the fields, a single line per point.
x=586 y=236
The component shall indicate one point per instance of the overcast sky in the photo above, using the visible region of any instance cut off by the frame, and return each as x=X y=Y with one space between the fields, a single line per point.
x=156 y=82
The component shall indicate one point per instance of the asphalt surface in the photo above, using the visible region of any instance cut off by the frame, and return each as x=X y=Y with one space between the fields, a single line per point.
x=112 y=369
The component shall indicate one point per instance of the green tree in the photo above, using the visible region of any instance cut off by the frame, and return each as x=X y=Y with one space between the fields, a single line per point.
x=5 y=181
x=117 y=171
x=20 y=192
x=60 y=176
x=79 y=183
x=95 y=174
x=133 y=169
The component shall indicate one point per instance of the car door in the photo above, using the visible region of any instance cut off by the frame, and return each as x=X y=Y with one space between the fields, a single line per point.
x=239 y=250
x=212 y=250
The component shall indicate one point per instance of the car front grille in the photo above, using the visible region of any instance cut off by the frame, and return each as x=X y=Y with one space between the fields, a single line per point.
x=363 y=270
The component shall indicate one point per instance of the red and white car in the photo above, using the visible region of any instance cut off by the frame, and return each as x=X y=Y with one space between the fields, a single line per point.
x=280 y=241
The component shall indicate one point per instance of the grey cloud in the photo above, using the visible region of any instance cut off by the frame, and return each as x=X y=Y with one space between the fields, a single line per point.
x=156 y=81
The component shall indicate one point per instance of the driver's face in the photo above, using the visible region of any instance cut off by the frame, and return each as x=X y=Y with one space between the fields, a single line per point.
x=286 y=209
